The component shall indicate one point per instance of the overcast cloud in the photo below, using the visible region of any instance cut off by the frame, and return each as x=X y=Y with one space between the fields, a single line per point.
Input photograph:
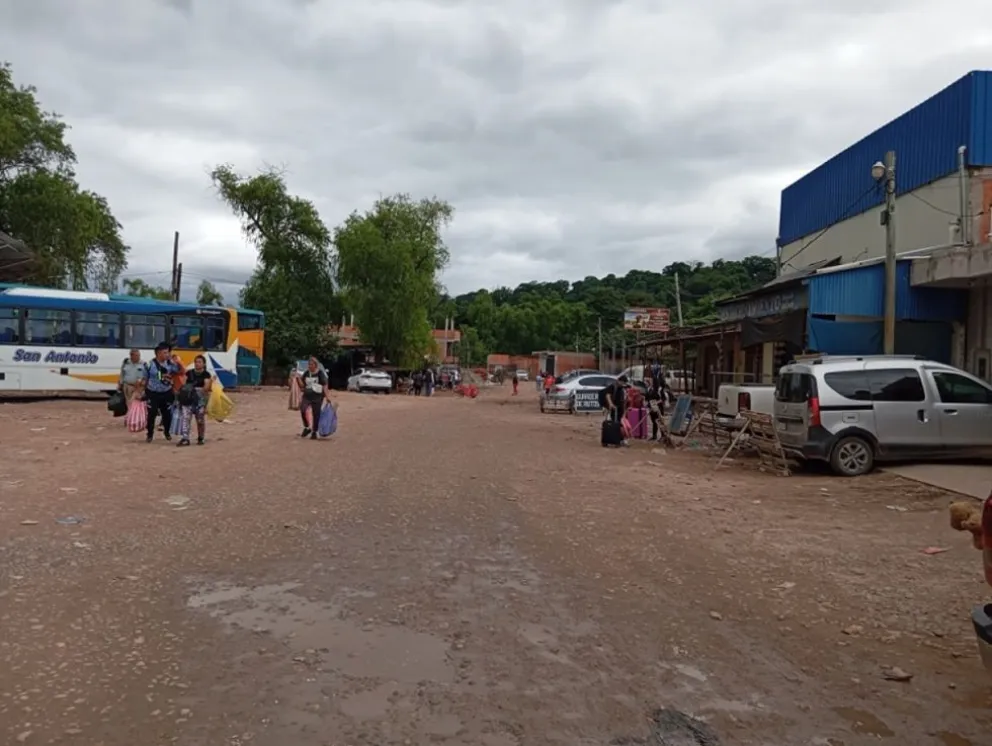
x=573 y=137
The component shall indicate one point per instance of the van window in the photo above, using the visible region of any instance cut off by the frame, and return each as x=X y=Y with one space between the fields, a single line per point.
x=795 y=388
x=896 y=384
x=956 y=389
x=851 y=384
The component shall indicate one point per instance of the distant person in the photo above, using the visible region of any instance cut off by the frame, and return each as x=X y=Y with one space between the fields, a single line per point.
x=656 y=406
x=193 y=401
x=516 y=385
x=158 y=391
x=616 y=400
x=549 y=383
x=134 y=374
x=313 y=382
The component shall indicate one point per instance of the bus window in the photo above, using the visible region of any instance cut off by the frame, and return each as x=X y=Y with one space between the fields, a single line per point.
x=214 y=334
x=45 y=327
x=98 y=329
x=143 y=332
x=249 y=321
x=186 y=332
x=10 y=326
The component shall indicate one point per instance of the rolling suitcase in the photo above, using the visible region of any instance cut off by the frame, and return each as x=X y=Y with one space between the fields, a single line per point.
x=638 y=421
x=612 y=434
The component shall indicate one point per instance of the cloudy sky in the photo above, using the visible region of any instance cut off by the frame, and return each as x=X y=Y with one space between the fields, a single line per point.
x=573 y=137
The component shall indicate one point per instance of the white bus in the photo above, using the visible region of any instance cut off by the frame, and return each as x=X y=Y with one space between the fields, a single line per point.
x=64 y=341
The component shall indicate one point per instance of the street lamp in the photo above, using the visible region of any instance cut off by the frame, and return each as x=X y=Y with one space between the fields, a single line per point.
x=885 y=174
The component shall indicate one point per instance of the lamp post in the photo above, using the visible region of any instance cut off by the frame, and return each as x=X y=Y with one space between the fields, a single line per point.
x=885 y=174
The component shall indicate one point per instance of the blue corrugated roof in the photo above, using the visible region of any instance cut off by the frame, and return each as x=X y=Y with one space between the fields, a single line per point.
x=926 y=140
x=860 y=291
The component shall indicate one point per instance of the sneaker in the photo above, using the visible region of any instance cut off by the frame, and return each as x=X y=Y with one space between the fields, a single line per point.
x=168 y=437
x=148 y=438
x=199 y=441
x=305 y=433
x=313 y=436
x=183 y=442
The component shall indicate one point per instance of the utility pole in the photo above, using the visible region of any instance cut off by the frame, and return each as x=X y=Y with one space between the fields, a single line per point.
x=175 y=266
x=179 y=280
x=678 y=298
x=599 y=344
x=889 y=345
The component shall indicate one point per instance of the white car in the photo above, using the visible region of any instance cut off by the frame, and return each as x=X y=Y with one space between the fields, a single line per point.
x=377 y=381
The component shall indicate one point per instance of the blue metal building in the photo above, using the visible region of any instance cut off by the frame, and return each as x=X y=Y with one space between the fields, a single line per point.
x=926 y=139
x=846 y=307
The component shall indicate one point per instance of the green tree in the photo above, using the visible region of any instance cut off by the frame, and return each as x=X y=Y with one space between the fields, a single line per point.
x=72 y=232
x=141 y=289
x=208 y=295
x=557 y=315
x=293 y=282
x=389 y=259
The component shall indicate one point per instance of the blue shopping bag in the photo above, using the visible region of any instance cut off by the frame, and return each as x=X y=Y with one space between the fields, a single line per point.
x=328 y=423
x=176 y=425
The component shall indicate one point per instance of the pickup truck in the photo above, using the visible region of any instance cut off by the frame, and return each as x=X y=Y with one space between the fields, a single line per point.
x=732 y=398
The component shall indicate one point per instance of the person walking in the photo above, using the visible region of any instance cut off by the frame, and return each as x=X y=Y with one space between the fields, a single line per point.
x=516 y=384
x=134 y=374
x=158 y=391
x=193 y=401
x=314 y=385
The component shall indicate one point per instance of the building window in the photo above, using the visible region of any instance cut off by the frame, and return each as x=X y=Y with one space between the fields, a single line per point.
x=45 y=327
x=10 y=326
x=142 y=331
x=98 y=329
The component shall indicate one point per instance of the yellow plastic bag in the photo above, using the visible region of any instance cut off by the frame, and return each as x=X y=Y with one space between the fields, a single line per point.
x=219 y=405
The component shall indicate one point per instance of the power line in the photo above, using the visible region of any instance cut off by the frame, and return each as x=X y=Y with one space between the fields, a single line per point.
x=843 y=216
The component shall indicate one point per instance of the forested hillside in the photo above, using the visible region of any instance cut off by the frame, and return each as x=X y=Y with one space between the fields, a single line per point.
x=563 y=315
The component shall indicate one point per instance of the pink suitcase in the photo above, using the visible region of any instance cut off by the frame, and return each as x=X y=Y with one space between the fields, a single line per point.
x=638 y=420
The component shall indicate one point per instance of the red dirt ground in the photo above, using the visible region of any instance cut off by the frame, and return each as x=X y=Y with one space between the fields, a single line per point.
x=463 y=572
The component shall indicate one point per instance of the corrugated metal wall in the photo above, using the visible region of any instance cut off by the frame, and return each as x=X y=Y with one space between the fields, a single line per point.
x=980 y=142
x=926 y=140
x=861 y=292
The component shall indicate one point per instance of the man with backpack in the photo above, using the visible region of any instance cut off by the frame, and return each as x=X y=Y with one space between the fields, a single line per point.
x=158 y=391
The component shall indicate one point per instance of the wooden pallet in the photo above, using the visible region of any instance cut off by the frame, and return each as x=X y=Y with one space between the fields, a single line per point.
x=759 y=435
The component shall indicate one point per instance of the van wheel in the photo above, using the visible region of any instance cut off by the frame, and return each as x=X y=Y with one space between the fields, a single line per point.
x=852 y=457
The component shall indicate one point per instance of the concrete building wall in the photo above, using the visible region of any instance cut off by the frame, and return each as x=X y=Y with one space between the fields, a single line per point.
x=978 y=332
x=924 y=218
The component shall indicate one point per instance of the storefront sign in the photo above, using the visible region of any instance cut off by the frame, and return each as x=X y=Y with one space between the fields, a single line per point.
x=587 y=401
x=759 y=306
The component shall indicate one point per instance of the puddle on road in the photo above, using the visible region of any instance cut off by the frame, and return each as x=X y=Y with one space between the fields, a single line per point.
x=864 y=723
x=355 y=649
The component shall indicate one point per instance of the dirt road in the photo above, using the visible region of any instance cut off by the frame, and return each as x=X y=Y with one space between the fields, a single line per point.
x=463 y=572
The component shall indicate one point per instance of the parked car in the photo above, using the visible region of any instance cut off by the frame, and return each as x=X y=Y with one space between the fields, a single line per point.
x=562 y=395
x=679 y=381
x=366 y=379
x=855 y=411
x=522 y=375
x=569 y=375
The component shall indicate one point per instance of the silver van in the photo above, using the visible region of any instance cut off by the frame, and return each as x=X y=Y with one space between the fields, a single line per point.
x=854 y=411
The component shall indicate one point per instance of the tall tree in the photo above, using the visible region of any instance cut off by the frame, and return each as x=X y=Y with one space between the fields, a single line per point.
x=141 y=289
x=72 y=232
x=208 y=295
x=389 y=259
x=293 y=283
